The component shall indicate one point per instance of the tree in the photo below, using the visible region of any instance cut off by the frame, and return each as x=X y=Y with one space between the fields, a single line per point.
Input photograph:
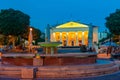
x=13 y=22
x=113 y=23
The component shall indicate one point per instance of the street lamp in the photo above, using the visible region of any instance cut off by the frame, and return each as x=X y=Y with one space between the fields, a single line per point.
x=30 y=29
x=30 y=39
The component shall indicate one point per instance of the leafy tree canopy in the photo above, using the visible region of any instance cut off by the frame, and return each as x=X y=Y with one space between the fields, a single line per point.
x=113 y=22
x=13 y=22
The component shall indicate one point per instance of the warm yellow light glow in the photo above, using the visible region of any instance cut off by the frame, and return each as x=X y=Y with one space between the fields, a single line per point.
x=79 y=35
x=83 y=33
x=69 y=38
x=64 y=35
x=71 y=25
x=53 y=36
x=57 y=36
x=67 y=33
x=86 y=37
x=76 y=33
x=30 y=29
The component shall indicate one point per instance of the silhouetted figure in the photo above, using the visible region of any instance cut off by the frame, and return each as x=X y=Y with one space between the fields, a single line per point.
x=80 y=42
x=72 y=43
x=90 y=49
x=64 y=42
x=109 y=50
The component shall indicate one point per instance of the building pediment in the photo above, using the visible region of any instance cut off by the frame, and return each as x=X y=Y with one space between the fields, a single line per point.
x=71 y=24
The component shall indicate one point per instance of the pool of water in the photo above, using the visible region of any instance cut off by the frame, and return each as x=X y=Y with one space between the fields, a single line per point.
x=100 y=61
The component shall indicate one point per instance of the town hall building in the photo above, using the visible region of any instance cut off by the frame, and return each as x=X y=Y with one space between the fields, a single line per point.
x=72 y=34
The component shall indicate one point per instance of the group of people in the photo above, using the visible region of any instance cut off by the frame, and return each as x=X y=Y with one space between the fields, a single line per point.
x=110 y=50
x=116 y=50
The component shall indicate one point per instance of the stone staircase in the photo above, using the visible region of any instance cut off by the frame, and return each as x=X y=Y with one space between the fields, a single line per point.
x=76 y=70
x=10 y=71
x=69 y=71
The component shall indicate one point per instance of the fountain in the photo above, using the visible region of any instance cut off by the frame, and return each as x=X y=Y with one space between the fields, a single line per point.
x=50 y=47
x=71 y=65
x=51 y=64
x=51 y=57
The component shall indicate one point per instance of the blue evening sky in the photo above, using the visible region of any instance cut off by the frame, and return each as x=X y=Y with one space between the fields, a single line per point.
x=43 y=12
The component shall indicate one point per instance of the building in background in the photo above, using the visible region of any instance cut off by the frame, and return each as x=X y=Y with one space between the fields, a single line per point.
x=72 y=34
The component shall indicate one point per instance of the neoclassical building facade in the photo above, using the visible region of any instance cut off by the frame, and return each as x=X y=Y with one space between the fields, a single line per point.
x=72 y=34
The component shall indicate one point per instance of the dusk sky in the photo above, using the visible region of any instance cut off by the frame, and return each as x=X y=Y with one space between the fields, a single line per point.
x=43 y=12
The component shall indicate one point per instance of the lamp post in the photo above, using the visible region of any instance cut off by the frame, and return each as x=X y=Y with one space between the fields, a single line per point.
x=30 y=40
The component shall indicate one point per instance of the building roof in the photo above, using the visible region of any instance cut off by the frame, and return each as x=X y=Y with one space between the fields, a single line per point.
x=71 y=24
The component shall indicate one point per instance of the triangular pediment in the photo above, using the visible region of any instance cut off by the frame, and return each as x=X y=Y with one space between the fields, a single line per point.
x=72 y=24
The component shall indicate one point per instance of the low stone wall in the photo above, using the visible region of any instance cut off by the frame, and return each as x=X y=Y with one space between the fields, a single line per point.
x=69 y=71
x=48 y=59
x=18 y=72
x=56 y=66
x=18 y=61
x=60 y=61
x=65 y=59
x=76 y=71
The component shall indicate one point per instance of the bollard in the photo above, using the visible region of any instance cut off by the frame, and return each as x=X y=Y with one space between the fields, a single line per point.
x=28 y=73
x=37 y=61
x=0 y=58
x=37 y=55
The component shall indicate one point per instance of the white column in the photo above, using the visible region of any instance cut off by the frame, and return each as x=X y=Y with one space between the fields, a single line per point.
x=83 y=38
x=54 y=37
x=76 y=38
x=67 y=38
x=51 y=35
x=60 y=37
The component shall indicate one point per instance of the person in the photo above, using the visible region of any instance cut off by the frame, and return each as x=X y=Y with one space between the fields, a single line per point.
x=64 y=42
x=72 y=43
x=109 y=50
x=80 y=42
x=90 y=49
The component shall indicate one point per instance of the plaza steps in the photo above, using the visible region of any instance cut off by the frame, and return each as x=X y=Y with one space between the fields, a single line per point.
x=10 y=71
x=76 y=70
x=68 y=71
